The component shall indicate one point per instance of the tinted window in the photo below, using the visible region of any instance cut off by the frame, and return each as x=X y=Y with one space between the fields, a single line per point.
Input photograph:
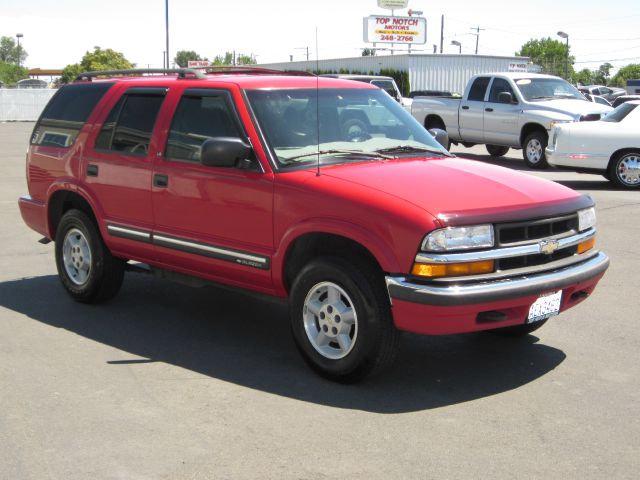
x=65 y=114
x=130 y=123
x=499 y=86
x=619 y=113
x=197 y=118
x=479 y=88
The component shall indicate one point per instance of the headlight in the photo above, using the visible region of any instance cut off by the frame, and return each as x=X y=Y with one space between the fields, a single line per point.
x=558 y=122
x=458 y=238
x=586 y=219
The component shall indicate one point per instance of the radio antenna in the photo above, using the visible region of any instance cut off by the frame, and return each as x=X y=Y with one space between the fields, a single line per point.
x=318 y=103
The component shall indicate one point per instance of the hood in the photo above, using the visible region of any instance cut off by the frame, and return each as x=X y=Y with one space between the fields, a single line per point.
x=573 y=107
x=451 y=188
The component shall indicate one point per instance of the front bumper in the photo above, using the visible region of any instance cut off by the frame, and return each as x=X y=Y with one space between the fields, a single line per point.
x=439 y=309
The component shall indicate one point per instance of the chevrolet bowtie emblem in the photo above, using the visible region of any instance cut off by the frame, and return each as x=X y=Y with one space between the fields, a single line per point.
x=549 y=246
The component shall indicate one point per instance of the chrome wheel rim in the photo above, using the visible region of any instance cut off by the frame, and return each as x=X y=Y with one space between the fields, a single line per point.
x=534 y=150
x=628 y=170
x=76 y=256
x=330 y=320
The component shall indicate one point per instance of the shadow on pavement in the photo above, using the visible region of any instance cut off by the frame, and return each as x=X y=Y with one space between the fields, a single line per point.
x=245 y=340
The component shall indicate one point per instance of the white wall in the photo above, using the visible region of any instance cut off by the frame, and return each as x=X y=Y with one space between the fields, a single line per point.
x=23 y=104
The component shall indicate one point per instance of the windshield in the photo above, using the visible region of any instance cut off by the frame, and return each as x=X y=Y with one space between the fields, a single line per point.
x=354 y=125
x=533 y=89
x=620 y=112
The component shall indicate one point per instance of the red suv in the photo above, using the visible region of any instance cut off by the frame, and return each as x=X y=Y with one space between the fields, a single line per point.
x=325 y=192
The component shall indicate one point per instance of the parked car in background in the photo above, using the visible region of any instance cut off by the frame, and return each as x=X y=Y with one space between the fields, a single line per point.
x=624 y=98
x=609 y=93
x=596 y=99
x=388 y=84
x=610 y=147
x=508 y=110
x=432 y=93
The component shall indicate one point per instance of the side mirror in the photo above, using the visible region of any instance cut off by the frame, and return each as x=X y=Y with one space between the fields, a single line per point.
x=223 y=152
x=505 y=97
x=441 y=136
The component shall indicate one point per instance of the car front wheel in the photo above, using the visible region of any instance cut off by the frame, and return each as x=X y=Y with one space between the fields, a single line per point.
x=341 y=319
x=533 y=150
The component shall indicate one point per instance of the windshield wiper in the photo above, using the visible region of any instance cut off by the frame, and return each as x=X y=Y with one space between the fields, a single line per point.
x=341 y=152
x=410 y=149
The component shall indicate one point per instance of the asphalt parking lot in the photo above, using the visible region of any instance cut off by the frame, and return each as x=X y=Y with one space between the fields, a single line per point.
x=169 y=382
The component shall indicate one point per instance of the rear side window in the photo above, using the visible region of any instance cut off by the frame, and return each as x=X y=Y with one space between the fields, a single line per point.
x=198 y=117
x=478 y=89
x=129 y=125
x=66 y=113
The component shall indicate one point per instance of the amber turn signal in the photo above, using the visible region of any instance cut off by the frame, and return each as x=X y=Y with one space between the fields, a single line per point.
x=586 y=245
x=432 y=270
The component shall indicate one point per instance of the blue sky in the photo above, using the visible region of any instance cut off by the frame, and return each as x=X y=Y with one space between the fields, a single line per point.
x=59 y=33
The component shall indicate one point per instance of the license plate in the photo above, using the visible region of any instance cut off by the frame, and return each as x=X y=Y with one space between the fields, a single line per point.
x=544 y=307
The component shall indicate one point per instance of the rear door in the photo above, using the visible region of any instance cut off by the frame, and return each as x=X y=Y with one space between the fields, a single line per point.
x=118 y=168
x=502 y=120
x=212 y=221
x=471 y=112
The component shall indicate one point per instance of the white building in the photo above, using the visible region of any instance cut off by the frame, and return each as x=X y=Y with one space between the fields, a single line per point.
x=426 y=71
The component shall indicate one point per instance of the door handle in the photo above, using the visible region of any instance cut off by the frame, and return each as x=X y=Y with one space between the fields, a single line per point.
x=465 y=107
x=160 y=180
x=92 y=170
x=488 y=109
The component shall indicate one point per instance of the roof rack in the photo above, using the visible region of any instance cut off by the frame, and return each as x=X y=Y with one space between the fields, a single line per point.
x=181 y=72
x=235 y=69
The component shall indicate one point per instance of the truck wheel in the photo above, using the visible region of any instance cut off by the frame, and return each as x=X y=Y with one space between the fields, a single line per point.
x=497 y=150
x=533 y=150
x=86 y=268
x=624 y=170
x=341 y=319
x=518 y=330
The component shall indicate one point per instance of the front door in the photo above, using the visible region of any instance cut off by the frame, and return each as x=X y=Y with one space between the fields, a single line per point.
x=212 y=221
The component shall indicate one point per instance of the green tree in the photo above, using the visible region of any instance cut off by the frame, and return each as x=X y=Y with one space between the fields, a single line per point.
x=183 y=56
x=549 y=54
x=10 y=73
x=630 y=72
x=584 y=77
x=97 y=60
x=10 y=52
x=368 y=52
x=601 y=76
x=228 y=59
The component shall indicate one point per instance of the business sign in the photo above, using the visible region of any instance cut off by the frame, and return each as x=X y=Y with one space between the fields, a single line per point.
x=198 y=63
x=393 y=4
x=407 y=30
x=518 y=67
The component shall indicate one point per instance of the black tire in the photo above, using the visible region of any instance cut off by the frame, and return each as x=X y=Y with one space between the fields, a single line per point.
x=355 y=130
x=533 y=150
x=497 y=150
x=621 y=172
x=518 y=330
x=369 y=340
x=88 y=280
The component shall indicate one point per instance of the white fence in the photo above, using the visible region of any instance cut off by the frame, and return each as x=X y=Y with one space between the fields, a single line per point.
x=23 y=104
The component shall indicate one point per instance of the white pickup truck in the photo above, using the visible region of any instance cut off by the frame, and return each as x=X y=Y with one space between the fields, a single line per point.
x=508 y=110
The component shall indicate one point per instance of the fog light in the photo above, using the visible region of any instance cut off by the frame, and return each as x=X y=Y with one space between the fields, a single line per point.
x=432 y=270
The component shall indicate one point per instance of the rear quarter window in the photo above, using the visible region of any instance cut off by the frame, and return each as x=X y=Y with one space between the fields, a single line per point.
x=66 y=113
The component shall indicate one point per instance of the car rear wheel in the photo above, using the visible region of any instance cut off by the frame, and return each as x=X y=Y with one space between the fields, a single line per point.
x=624 y=170
x=86 y=268
x=341 y=319
x=497 y=150
x=533 y=150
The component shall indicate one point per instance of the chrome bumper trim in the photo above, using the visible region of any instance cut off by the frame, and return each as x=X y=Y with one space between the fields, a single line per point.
x=400 y=288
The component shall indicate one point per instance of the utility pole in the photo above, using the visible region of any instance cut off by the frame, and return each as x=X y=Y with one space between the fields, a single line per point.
x=441 y=32
x=477 y=34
